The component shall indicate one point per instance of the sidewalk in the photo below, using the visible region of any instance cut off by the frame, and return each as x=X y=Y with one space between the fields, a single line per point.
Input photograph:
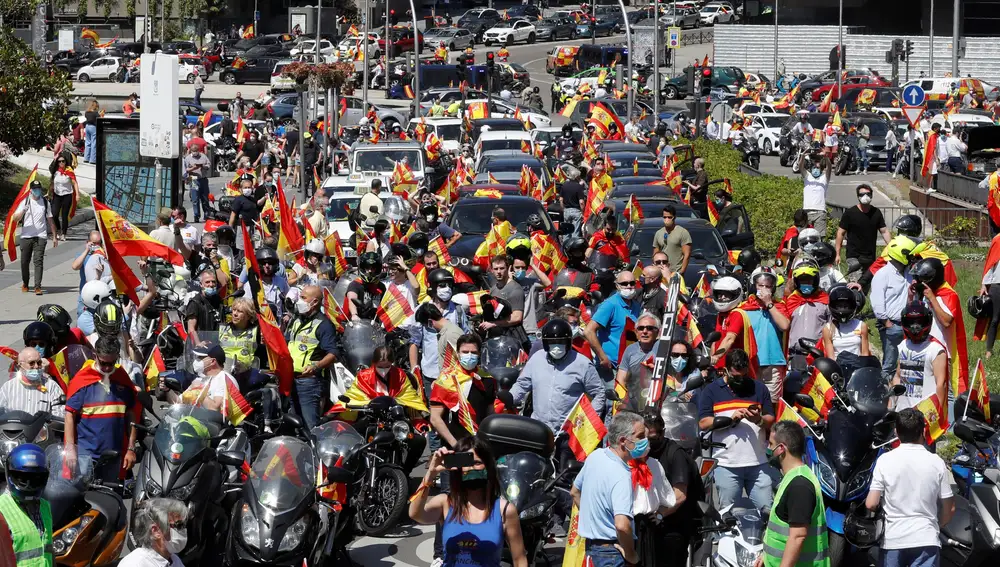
x=86 y=174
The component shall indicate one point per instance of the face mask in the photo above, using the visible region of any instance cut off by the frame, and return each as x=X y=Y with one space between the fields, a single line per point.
x=302 y=306
x=816 y=172
x=469 y=361
x=444 y=293
x=430 y=218
x=178 y=541
x=807 y=289
x=36 y=193
x=678 y=364
x=247 y=192
x=640 y=450
x=772 y=459
x=656 y=445
x=650 y=287
x=577 y=331
x=32 y=375
x=474 y=479
x=41 y=351
x=865 y=199
x=383 y=372
x=737 y=381
x=198 y=366
x=719 y=202
x=211 y=291
x=557 y=351
x=520 y=272
x=627 y=293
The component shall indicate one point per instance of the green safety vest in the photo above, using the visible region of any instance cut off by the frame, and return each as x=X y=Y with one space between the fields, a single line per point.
x=239 y=346
x=303 y=343
x=816 y=548
x=29 y=547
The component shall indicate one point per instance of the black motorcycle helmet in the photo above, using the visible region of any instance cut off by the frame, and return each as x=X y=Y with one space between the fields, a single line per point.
x=58 y=319
x=419 y=242
x=108 y=318
x=929 y=271
x=534 y=222
x=822 y=252
x=748 y=260
x=829 y=369
x=225 y=235
x=39 y=333
x=557 y=331
x=980 y=306
x=862 y=527
x=908 y=225
x=266 y=255
x=370 y=266
x=428 y=211
x=440 y=277
x=576 y=249
x=843 y=303
x=916 y=321
x=567 y=131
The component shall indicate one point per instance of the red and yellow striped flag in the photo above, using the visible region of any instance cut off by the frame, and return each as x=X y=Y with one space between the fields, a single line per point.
x=451 y=387
x=335 y=251
x=236 y=406
x=154 y=367
x=633 y=210
x=333 y=311
x=980 y=391
x=584 y=428
x=403 y=180
x=9 y=226
x=394 y=309
x=437 y=246
x=935 y=415
x=713 y=212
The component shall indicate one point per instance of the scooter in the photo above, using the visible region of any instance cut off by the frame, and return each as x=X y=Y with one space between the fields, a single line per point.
x=749 y=150
x=738 y=534
x=971 y=537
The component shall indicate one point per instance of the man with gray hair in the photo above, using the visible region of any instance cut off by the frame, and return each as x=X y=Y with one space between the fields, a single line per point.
x=604 y=495
x=160 y=534
x=654 y=296
x=572 y=194
x=648 y=330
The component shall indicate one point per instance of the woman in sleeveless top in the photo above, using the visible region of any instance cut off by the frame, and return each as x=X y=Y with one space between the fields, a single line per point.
x=845 y=338
x=473 y=518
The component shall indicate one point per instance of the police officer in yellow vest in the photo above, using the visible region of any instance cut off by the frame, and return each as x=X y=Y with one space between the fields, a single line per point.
x=27 y=514
x=796 y=529
x=312 y=342
x=239 y=339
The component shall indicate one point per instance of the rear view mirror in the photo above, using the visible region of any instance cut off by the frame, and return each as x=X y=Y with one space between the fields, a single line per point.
x=338 y=475
x=383 y=437
x=722 y=422
x=106 y=457
x=693 y=383
x=805 y=400
x=898 y=390
x=293 y=420
x=712 y=337
x=231 y=458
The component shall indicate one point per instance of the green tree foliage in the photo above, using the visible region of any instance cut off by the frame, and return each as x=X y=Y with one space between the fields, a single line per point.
x=17 y=9
x=33 y=102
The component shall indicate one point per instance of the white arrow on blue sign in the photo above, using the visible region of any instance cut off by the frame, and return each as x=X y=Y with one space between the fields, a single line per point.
x=914 y=95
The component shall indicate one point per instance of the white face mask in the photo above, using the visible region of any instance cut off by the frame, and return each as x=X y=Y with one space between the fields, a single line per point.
x=444 y=293
x=198 y=366
x=865 y=199
x=248 y=191
x=557 y=351
x=627 y=293
x=178 y=541
x=382 y=371
x=302 y=306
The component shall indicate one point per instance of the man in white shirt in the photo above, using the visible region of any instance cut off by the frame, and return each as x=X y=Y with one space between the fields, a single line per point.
x=31 y=389
x=157 y=539
x=817 y=180
x=632 y=129
x=911 y=138
x=369 y=200
x=208 y=390
x=189 y=232
x=918 y=497
x=34 y=215
x=955 y=149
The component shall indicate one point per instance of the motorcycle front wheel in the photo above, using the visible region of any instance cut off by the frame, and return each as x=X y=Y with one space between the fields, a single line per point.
x=843 y=163
x=838 y=548
x=755 y=162
x=385 y=503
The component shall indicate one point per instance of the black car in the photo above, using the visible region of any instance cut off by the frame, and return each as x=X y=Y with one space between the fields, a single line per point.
x=478 y=20
x=877 y=129
x=257 y=70
x=623 y=159
x=244 y=45
x=73 y=64
x=472 y=216
x=265 y=51
x=707 y=246
x=555 y=27
x=180 y=47
x=652 y=208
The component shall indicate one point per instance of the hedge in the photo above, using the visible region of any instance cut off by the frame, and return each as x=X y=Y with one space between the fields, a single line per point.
x=770 y=200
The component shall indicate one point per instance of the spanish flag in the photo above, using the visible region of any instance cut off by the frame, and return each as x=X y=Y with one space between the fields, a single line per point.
x=936 y=416
x=290 y=240
x=451 y=389
x=278 y=356
x=546 y=254
x=336 y=253
x=477 y=110
x=819 y=389
x=576 y=545
x=827 y=100
x=9 y=226
x=154 y=367
x=930 y=154
x=282 y=465
x=584 y=428
x=235 y=405
x=333 y=311
x=567 y=110
x=90 y=34
x=713 y=212
x=599 y=189
x=958 y=354
x=981 y=390
x=403 y=180
x=672 y=177
x=633 y=210
x=394 y=310
x=437 y=246
x=248 y=32
x=241 y=131
x=494 y=244
x=206 y=119
x=785 y=412
x=353 y=30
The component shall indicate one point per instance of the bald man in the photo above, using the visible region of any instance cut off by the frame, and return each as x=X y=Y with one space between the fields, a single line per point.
x=31 y=389
x=312 y=342
x=654 y=297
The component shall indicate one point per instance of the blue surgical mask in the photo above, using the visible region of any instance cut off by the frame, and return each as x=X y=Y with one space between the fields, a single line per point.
x=36 y=193
x=640 y=450
x=816 y=172
x=468 y=360
x=210 y=291
x=519 y=273
x=41 y=351
x=678 y=364
x=807 y=289
x=33 y=375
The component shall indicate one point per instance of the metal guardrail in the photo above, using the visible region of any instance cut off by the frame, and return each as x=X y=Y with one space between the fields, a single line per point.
x=697 y=37
x=961 y=187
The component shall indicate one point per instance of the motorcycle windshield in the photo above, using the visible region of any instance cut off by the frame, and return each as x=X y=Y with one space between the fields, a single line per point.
x=359 y=344
x=867 y=391
x=680 y=423
x=335 y=439
x=183 y=432
x=64 y=472
x=186 y=360
x=751 y=525
x=340 y=288
x=500 y=352
x=522 y=477
x=283 y=474
x=603 y=262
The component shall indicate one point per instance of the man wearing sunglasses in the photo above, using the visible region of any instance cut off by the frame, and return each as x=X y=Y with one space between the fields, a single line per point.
x=673 y=240
x=648 y=330
x=605 y=329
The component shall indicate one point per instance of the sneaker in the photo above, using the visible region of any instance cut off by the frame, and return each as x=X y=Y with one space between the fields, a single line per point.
x=24 y=289
x=866 y=172
x=893 y=175
x=38 y=291
x=438 y=562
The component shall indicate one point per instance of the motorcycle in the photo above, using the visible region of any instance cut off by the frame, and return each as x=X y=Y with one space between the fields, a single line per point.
x=360 y=340
x=970 y=537
x=337 y=443
x=739 y=534
x=18 y=427
x=847 y=159
x=225 y=155
x=89 y=518
x=749 y=150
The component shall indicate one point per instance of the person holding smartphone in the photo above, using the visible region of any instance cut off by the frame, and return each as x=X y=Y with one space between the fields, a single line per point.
x=473 y=518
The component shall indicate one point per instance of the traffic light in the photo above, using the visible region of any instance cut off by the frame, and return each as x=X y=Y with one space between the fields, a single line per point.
x=690 y=79
x=393 y=18
x=489 y=61
x=909 y=49
x=897 y=49
x=706 y=82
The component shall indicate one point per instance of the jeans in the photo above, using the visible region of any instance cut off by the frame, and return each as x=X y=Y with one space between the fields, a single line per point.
x=90 y=143
x=957 y=165
x=574 y=217
x=604 y=555
x=863 y=159
x=433 y=439
x=197 y=96
x=929 y=556
x=199 y=197
x=890 y=158
x=307 y=397
x=61 y=205
x=107 y=472
x=890 y=338
x=32 y=249
x=991 y=331
x=732 y=481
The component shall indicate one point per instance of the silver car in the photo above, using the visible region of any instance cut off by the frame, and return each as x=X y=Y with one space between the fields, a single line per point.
x=454 y=39
x=684 y=18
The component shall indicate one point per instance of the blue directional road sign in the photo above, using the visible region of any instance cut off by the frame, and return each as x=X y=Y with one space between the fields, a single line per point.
x=914 y=95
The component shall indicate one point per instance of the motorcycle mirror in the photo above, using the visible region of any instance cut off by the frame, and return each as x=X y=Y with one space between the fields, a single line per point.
x=698 y=255
x=713 y=337
x=231 y=458
x=805 y=401
x=106 y=457
x=611 y=395
x=383 y=437
x=721 y=422
x=693 y=383
x=728 y=232
x=506 y=399
x=255 y=395
x=634 y=250
x=293 y=420
x=597 y=296
x=144 y=398
x=338 y=475
x=809 y=345
x=898 y=390
x=964 y=432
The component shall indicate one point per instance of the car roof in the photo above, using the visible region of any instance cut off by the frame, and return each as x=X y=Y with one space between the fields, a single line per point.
x=502 y=187
x=686 y=222
x=366 y=145
x=515 y=160
x=501 y=153
x=495 y=121
x=504 y=135
x=468 y=201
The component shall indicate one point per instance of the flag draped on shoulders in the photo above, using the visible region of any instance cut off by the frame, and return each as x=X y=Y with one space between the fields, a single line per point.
x=958 y=354
x=451 y=389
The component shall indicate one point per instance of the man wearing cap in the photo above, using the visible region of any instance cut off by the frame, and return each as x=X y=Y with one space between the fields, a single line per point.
x=34 y=216
x=209 y=388
x=197 y=167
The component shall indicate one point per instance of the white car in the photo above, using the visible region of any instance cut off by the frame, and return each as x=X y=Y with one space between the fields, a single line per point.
x=717 y=13
x=350 y=43
x=510 y=32
x=590 y=76
x=501 y=140
x=535 y=116
x=101 y=68
x=766 y=127
x=959 y=119
x=280 y=82
x=448 y=130
x=186 y=72
x=309 y=46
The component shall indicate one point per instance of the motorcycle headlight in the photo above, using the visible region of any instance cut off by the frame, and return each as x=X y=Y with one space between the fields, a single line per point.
x=400 y=430
x=827 y=476
x=182 y=493
x=858 y=483
x=294 y=535
x=42 y=436
x=153 y=489
x=745 y=556
x=533 y=511
x=67 y=537
x=249 y=528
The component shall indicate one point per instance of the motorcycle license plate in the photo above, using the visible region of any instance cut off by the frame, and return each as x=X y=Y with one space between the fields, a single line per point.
x=349 y=253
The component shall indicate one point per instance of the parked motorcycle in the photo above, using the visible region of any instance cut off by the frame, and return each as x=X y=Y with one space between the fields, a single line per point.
x=847 y=159
x=971 y=537
x=225 y=154
x=749 y=151
x=19 y=427
x=739 y=535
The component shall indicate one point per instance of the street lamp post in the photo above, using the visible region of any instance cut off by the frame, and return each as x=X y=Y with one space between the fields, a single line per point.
x=776 y=2
x=364 y=91
x=416 y=60
x=840 y=47
x=930 y=48
x=593 y=22
x=656 y=61
x=954 y=41
x=631 y=55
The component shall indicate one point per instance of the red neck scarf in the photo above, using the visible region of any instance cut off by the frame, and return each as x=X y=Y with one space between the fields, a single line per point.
x=641 y=475
x=796 y=300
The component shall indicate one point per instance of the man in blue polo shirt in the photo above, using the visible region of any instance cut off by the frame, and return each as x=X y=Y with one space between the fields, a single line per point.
x=605 y=329
x=748 y=403
x=604 y=496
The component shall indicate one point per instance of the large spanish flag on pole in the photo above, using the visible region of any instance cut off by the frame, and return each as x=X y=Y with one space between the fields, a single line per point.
x=9 y=226
x=290 y=240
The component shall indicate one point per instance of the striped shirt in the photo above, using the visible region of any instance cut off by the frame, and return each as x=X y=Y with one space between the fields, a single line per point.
x=16 y=396
x=744 y=441
x=102 y=410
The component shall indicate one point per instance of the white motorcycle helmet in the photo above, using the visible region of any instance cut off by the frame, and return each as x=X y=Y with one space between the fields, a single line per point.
x=764 y=272
x=316 y=246
x=808 y=236
x=93 y=293
x=727 y=293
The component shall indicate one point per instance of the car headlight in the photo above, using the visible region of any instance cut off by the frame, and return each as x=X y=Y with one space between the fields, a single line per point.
x=294 y=535
x=827 y=476
x=400 y=430
x=745 y=556
x=858 y=483
x=182 y=493
x=249 y=528
x=533 y=511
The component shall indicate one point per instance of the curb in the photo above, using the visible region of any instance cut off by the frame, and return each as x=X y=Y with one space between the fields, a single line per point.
x=81 y=217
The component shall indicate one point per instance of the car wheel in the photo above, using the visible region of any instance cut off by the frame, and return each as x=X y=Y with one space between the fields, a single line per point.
x=486 y=43
x=671 y=92
x=766 y=147
x=229 y=79
x=451 y=47
x=83 y=77
x=531 y=38
x=807 y=95
x=618 y=30
x=190 y=78
x=715 y=20
x=510 y=41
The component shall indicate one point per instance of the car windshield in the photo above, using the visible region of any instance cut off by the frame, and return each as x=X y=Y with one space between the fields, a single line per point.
x=774 y=121
x=383 y=161
x=449 y=131
x=244 y=44
x=470 y=218
x=511 y=144
x=337 y=209
x=507 y=24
